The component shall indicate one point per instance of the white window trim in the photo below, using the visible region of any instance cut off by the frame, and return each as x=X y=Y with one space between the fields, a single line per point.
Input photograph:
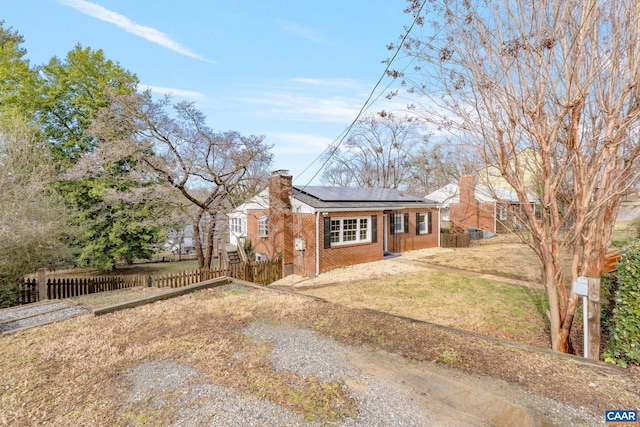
x=502 y=213
x=263 y=227
x=357 y=231
x=425 y=216
x=237 y=225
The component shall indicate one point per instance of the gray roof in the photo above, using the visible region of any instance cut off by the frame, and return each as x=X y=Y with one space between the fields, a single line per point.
x=357 y=198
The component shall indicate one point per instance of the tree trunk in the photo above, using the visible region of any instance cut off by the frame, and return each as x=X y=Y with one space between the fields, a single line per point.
x=196 y=237
x=208 y=262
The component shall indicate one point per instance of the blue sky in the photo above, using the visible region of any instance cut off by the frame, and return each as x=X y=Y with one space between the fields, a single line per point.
x=296 y=71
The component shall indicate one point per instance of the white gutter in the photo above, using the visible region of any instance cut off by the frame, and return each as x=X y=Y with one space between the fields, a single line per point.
x=317 y=243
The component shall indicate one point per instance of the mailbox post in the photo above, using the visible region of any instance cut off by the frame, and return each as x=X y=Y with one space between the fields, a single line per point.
x=589 y=289
x=581 y=287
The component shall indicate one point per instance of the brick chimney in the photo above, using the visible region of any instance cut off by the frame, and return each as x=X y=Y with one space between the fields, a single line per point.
x=467 y=185
x=280 y=218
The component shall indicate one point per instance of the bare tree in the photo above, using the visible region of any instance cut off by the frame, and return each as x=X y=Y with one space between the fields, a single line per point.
x=560 y=77
x=378 y=153
x=212 y=171
x=437 y=165
x=33 y=220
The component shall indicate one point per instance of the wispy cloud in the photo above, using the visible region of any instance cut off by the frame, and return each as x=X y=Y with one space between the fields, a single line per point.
x=310 y=108
x=179 y=93
x=297 y=143
x=121 y=21
x=348 y=83
x=303 y=32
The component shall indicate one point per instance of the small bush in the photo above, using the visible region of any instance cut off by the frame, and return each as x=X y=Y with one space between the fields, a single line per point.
x=624 y=343
x=8 y=292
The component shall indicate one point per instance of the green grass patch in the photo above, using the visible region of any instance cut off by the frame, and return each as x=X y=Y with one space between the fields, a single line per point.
x=150 y=269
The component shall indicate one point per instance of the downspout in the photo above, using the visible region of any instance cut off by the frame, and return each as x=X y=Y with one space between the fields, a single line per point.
x=439 y=225
x=317 y=243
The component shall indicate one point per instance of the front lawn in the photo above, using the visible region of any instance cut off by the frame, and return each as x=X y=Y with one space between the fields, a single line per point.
x=474 y=304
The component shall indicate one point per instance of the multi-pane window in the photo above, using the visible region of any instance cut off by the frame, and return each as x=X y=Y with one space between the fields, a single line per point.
x=336 y=226
x=236 y=225
x=364 y=229
x=502 y=212
x=424 y=223
x=398 y=223
x=263 y=227
x=350 y=230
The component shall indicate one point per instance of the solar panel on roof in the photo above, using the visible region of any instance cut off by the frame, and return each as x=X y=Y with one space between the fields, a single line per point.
x=353 y=194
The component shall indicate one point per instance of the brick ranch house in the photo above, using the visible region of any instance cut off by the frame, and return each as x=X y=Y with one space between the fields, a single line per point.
x=467 y=205
x=315 y=229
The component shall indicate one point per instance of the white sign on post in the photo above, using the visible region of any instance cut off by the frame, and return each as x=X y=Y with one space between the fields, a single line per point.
x=581 y=286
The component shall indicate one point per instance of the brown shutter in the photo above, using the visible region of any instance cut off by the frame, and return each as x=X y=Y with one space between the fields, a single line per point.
x=406 y=223
x=429 y=223
x=417 y=223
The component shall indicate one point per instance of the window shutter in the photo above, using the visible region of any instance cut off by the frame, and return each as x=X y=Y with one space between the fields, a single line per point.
x=392 y=224
x=327 y=232
x=374 y=229
x=429 y=223
x=417 y=223
x=406 y=222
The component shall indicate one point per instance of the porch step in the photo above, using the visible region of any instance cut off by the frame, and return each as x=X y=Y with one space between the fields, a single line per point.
x=234 y=257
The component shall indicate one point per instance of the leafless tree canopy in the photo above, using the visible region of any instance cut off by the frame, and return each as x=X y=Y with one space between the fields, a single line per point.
x=559 y=77
x=212 y=171
x=378 y=153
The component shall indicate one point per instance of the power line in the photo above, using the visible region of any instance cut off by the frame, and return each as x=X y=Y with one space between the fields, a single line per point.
x=365 y=106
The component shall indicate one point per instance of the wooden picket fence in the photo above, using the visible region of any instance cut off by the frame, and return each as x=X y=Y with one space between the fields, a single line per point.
x=59 y=288
x=455 y=240
x=261 y=272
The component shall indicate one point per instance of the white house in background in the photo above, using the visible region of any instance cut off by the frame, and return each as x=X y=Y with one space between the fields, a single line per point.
x=238 y=218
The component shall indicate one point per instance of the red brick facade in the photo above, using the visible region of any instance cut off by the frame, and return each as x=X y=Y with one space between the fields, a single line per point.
x=286 y=226
x=470 y=213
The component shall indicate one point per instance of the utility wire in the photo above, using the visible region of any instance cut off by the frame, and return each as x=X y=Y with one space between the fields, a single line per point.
x=365 y=106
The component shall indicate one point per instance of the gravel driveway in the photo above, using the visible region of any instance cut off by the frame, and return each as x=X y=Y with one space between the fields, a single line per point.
x=388 y=390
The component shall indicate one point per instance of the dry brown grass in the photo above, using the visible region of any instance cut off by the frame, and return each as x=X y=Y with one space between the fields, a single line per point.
x=478 y=305
x=74 y=372
x=501 y=256
x=103 y=299
x=71 y=373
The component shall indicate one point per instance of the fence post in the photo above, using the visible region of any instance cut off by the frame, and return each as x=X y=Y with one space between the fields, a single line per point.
x=594 y=318
x=42 y=284
x=149 y=281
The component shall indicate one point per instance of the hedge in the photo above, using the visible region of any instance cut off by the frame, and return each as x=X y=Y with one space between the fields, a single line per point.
x=624 y=342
